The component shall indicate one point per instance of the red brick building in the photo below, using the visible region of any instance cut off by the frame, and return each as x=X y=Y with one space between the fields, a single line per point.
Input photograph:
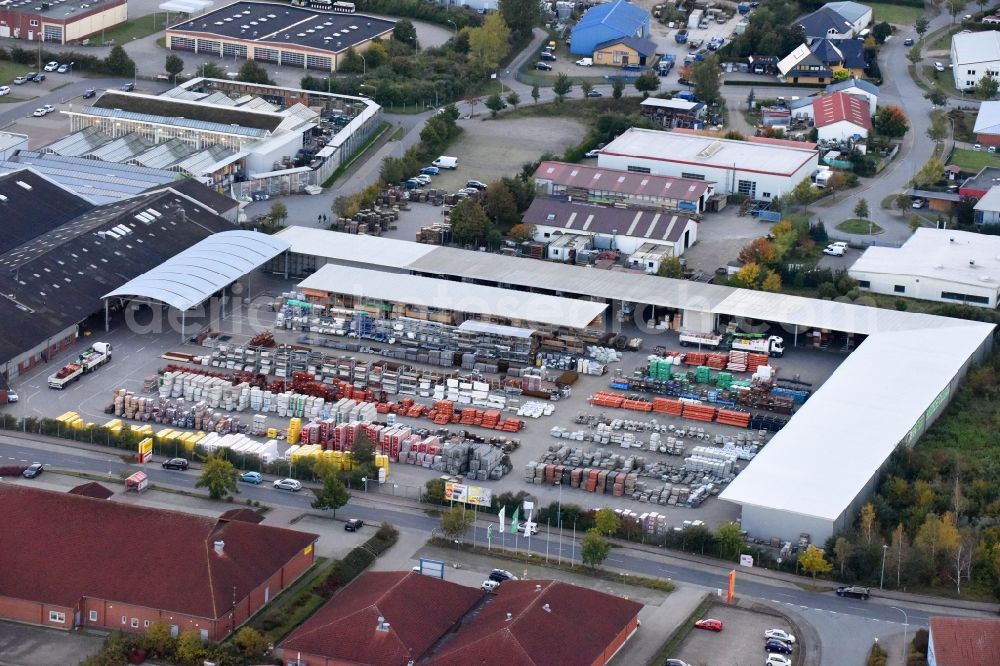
x=396 y=618
x=57 y=23
x=71 y=560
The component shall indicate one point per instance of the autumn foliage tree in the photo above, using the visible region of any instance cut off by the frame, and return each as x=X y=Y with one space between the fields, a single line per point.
x=890 y=122
x=759 y=251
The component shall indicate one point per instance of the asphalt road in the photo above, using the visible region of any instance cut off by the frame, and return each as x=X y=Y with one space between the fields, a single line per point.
x=624 y=559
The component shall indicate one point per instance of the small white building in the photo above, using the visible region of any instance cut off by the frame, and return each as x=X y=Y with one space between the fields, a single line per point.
x=648 y=257
x=855 y=13
x=974 y=54
x=840 y=117
x=936 y=265
x=756 y=169
x=988 y=208
x=566 y=246
x=858 y=88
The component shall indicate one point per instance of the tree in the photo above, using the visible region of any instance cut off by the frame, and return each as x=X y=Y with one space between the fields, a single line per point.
x=861 y=211
x=157 y=640
x=252 y=71
x=929 y=173
x=469 y=224
x=705 y=77
x=937 y=537
x=841 y=74
x=279 y=212
x=617 y=88
x=456 y=521
x=954 y=7
x=219 y=476
x=937 y=97
x=210 y=70
x=252 y=643
x=351 y=63
x=903 y=202
x=803 y=194
x=733 y=135
x=921 y=25
x=867 y=517
x=594 y=548
x=670 y=267
x=521 y=15
x=748 y=276
x=938 y=129
x=606 y=522
x=173 y=66
x=899 y=551
x=190 y=649
x=522 y=232
x=842 y=550
x=881 y=31
x=363 y=453
x=500 y=206
x=914 y=55
x=646 y=83
x=759 y=251
x=489 y=44
x=561 y=87
x=814 y=562
x=771 y=281
x=534 y=93
x=434 y=491
x=729 y=540
x=494 y=103
x=405 y=32
x=513 y=98
x=986 y=87
x=586 y=87
x=891 y=122
x=118 y=63
x=332 y=494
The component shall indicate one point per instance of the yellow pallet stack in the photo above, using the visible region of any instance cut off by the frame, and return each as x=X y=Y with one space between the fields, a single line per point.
x=382 y=465
x=294 y=430
x=307 y=451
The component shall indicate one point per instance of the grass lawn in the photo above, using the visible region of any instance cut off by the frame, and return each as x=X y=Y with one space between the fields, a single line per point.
x=974 y=160
x=8 y=70
x=895 y=14
x=943 y=42
x=143 y=26
x=10 y=99
x=943 y=80
x=856 y=225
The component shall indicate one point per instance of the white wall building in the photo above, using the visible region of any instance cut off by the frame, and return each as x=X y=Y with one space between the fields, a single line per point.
x=758 y=170
x=935 y=265
x=974 y=54
x=840 y=116
x=858 y=88
x=988 y=208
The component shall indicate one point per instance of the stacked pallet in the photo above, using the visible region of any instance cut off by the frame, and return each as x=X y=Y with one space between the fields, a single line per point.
x=732 y=417
x=695 y=358
x=717 y=361
x=754 y=361
x=738 y=361
x=668 y=406
x=607 y=399
x=637 y=405
x=698 y=412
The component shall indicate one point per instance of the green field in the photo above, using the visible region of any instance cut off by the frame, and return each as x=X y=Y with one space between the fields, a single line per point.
x=895 y=14
x=137 y=29
x=8 y=70
x=974 y=160
x=856 y=225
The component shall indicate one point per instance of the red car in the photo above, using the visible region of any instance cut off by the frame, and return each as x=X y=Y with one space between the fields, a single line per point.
x=711 y=625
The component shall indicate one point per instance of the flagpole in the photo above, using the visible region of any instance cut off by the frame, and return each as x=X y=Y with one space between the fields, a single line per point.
x=572 y=554
x=559 y=556
x=548 y=530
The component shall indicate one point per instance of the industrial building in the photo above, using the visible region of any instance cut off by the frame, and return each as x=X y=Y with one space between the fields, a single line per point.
x=237 y=137
x=841 y=117
x=614 y=228
x=987 y=127
x=230 y=568
x=674 y=112
x=389 y=617
x=611 y=21
x=622 y=51
x=278 y=34
x=758 y=171
x=974 y=54
x=59 y=21
x=579 y=182
x=936 y=265
x=826 y=473
x=987 y=209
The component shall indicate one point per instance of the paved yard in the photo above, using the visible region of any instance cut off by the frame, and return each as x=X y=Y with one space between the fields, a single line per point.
x=21 y=645
x=740 y=642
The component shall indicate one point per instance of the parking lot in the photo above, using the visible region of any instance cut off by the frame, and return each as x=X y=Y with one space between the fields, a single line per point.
x=741 y=640
x=23 y=645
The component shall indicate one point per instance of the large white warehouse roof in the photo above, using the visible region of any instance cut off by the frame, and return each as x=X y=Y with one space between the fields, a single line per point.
x=941 y=254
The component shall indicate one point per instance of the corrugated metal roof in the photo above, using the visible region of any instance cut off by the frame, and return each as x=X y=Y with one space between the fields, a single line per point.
x=164 y=155
x=622 y=182
x=187 y=279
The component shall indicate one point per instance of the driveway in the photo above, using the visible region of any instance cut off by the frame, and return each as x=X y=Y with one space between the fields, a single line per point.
x=23 y=645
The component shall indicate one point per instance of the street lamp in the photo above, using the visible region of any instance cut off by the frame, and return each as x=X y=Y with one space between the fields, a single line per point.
x=364 y=64
x=906 y=625
x=881 y=577
x=454 y=26
x=368 y=85
x=364 y=480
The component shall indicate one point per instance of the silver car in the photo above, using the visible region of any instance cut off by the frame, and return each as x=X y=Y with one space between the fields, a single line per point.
x=288 y=484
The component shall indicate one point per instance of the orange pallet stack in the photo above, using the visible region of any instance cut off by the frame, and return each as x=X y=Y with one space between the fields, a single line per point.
x=382 y=408
x=699 y=412
x=756 y=360
x=638 y=405
x=695 y=358
x=667 y=406
x=444 y=410
x=470 y=416
x=491 y=418
x=607 y=399
x=415 y=411
x=733 y=418
x=510 y=425
x=592 y=475
x=717 y=361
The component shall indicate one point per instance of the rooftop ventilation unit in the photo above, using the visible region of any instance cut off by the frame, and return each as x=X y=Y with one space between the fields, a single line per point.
x=710 y=150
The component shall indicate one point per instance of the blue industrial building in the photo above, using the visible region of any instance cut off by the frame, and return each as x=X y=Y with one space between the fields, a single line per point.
x=614 y=20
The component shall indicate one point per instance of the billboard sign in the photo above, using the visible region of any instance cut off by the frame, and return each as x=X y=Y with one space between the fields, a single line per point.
x=145 y=450
x=475 y=495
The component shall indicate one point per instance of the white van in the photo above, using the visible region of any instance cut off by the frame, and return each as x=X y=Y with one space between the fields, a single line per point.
x=446 y=162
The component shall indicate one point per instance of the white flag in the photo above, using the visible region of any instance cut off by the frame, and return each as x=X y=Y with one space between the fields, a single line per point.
x=503 y=517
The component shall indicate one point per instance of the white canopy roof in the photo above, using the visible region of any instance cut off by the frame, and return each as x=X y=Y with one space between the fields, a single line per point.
x=188 y=278
x=185 y=6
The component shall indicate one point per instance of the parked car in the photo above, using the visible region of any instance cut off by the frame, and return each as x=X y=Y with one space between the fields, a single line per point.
x=775 y=659
x=478 y=184
x=500 y=575
x=834 y=251
x=252 y=477
x=938 y=67
x=30 y=76
x=51 y=66
x=413 y=183
x=48 y=108
x=489 y=586
x=919 y=203
x=288 y=484
x=38 y=113
x=855 y=591
x=20 y=80
x=780 y=634
x=544 y=66
x=128 y=87
x=675 y=662
x=967 y=17
x=4 y=90
x=908 y=41
x=175 y=463
x=88 y=93
x=585 y=62
x=423 y=178
x=595 y=93
x=547 y=55
x=592 y=153
x=430 y=171
x=781 y=647
x=38 y=78
x=684 y=82
x=32 y=470
x=11 y=395
x=353 y=525
x=63 y=69
x=709 y=624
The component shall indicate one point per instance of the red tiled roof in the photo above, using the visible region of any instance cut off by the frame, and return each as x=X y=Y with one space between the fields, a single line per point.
x=418 y=608
x=966 y=641
x=92 y=489
x=246 y=515
x=577 y=627
x=149 y=557
x=838 y=106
